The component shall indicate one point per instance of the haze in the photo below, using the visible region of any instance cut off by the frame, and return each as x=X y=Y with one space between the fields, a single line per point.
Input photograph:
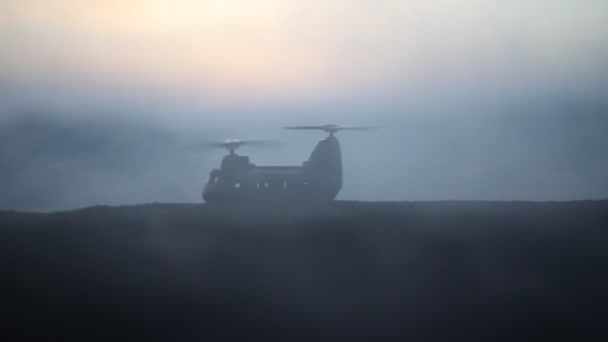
x=476 y=99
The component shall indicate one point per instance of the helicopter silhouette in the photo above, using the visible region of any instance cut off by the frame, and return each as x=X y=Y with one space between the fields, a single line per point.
x=317 y=179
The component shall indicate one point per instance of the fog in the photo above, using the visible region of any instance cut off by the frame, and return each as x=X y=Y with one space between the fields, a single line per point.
x=477 y=100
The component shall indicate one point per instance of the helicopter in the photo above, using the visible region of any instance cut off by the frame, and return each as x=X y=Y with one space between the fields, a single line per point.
x=239 y=180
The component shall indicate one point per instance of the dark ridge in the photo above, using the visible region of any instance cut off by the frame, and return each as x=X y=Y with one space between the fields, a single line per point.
x=450 y=270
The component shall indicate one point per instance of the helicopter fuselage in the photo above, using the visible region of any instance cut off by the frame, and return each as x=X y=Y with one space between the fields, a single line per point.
x=317 y=179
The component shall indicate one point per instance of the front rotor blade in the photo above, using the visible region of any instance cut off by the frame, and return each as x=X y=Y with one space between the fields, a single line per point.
x=357 y=128
x=261 y=142
x=233 y=144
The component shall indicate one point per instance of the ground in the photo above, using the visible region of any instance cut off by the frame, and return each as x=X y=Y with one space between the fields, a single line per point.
x=414 y=271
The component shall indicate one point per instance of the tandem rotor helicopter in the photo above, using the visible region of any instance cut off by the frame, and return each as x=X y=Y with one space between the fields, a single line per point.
x=317 y=179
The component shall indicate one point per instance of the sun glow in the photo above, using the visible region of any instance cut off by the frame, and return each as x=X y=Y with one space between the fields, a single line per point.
x=229 y=50
x=224 y=47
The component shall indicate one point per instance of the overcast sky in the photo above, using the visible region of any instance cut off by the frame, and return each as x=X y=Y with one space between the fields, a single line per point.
x=508 y=96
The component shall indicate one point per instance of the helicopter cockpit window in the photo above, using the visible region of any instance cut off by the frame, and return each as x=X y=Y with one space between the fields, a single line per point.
x=214 y=177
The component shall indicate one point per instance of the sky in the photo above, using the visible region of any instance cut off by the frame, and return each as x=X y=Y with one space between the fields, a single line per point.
x=505 y=83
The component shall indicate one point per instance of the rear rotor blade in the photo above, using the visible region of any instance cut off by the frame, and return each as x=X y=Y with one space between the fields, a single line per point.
x=333 y=128
x=307 y=127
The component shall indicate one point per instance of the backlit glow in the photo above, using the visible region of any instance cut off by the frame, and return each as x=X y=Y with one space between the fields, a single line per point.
x=235 y=50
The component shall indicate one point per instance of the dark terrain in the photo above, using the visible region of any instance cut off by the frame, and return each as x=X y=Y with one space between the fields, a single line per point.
x=411 y=271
